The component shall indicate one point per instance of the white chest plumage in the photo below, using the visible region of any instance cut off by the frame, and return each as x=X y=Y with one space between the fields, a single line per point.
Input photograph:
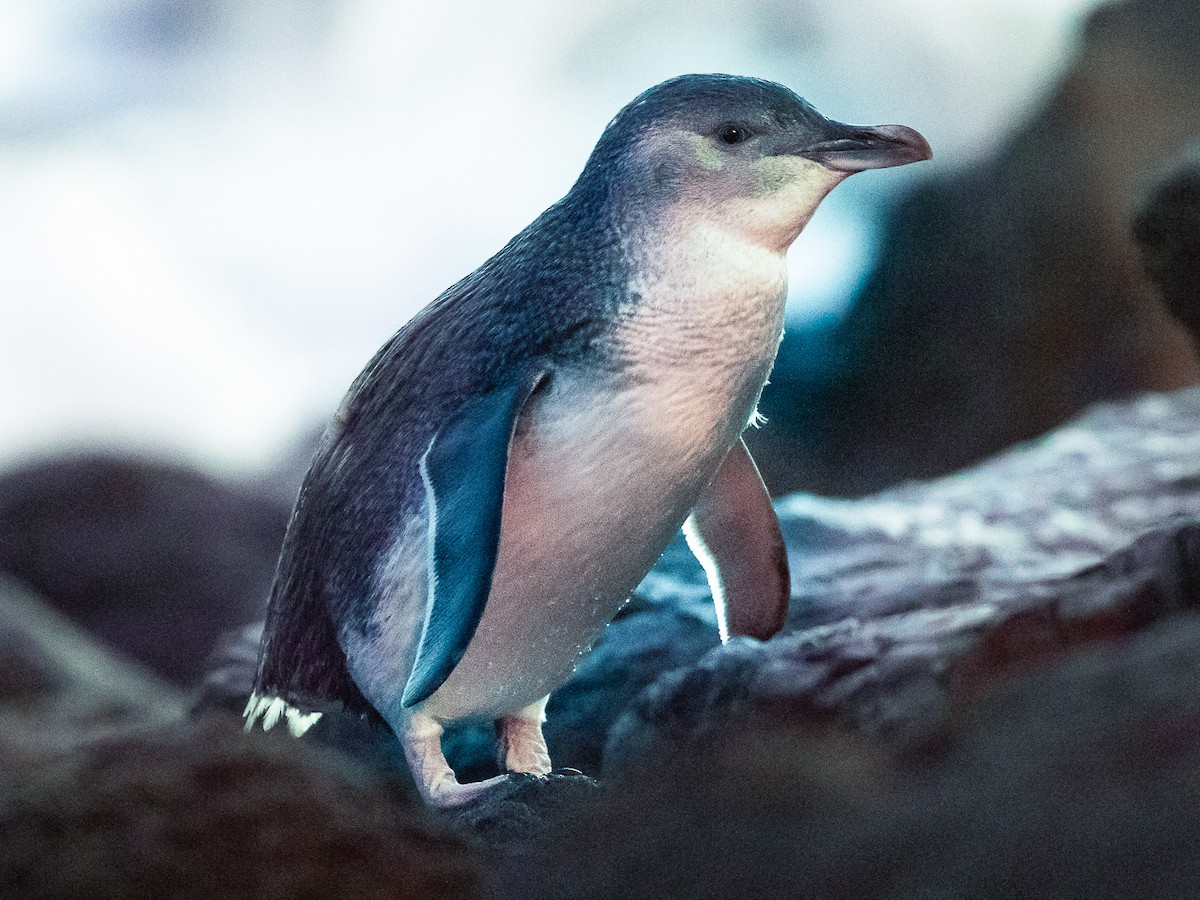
x=606 y=465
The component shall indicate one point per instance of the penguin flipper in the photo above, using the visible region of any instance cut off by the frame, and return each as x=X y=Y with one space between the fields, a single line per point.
x=464 y=471
x=735 y=534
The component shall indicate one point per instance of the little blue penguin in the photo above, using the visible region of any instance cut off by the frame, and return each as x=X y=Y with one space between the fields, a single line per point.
x=512 y=462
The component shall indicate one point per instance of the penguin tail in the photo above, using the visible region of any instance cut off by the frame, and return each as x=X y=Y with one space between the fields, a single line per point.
x=301 y=665
x=272 y=710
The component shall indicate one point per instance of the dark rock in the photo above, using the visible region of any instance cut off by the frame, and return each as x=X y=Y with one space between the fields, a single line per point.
x=229 y=671
x=154 y=559
x=906 y=598
x=1168 y=233
x=202 y=810
x=1008 y=296
x=765 y=814
x=900 y=600
x=525 y=809
x=59 y=688
x=1079 y=781
x=833 y=756
x=893 y=678
x=905 y=603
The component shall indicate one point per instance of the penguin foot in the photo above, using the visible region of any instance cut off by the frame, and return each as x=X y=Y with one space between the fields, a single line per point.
x=421 y=737
x=520 y=745
x=448 y=793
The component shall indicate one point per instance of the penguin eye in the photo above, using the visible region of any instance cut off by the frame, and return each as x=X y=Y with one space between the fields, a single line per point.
x=732 y=134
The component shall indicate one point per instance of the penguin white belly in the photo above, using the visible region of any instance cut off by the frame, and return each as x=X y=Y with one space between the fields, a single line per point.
x=599 y=480
x=606 y=465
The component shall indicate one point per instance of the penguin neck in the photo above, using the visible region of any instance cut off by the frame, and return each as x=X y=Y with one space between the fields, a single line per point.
x=704 y=309
x=698 y=268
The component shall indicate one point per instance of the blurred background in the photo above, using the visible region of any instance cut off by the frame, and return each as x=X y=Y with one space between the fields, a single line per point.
x=213 y=212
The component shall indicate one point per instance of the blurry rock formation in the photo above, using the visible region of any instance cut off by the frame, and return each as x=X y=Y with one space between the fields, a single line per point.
x=864 y=752
x=1009 y=296
x=108 y=791
x=60 y=689
x=202 y=810
x=1168 y=232
x=154 y=559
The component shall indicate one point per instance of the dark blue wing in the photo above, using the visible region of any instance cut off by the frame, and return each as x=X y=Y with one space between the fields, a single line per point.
x=464 y=471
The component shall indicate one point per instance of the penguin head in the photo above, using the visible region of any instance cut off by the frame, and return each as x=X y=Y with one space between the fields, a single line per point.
x=746 y=155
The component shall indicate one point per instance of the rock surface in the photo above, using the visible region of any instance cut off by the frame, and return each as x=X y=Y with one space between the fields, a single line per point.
x=60 y=689
x=108 y=790
x=1168 y=234
x=1079 y=781
x=201 y=810
x=869 y=734
x=154 y=559
x=899 y=599
x=903 y=603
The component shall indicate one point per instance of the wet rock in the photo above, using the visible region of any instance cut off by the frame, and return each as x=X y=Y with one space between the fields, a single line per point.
x=526 y=809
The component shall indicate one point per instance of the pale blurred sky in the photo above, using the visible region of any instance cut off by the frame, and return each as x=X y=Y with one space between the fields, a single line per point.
x=212 y=213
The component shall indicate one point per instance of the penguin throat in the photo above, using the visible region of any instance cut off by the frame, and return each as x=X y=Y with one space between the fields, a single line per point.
x=707 y=303
x=770 y=213
x=704 y=270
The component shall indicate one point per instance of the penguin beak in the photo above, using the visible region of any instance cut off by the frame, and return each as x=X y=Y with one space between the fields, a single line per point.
x=855 y=148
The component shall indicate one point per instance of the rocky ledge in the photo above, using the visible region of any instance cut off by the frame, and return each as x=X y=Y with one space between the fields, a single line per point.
x=907 y=606
x=906 y=599
x=987 y=683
